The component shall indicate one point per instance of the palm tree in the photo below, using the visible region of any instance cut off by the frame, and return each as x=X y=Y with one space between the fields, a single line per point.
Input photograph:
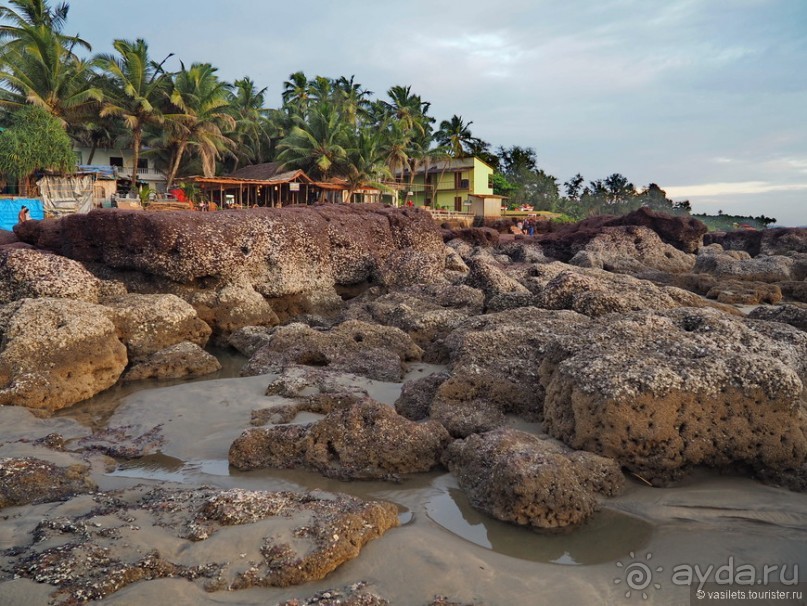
x=318 y=144
x=296 y=94
x=252 y=124
x=409 y=108
x=352 y=99
x=40 y=68
x=202 y=103
x=138 y=85
x=456 y=135
x=364 y=164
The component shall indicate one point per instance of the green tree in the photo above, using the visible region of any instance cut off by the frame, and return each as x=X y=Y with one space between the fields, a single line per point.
x=317 y=144
x=202 y=102
x=40 y=68
x=455 y=134
x=34 y=141
x=365 y=162
x=253 y=126
x=296 y=94
x=574 y=187
x=137 y=86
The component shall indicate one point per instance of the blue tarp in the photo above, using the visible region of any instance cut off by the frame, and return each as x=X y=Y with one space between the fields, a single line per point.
x=10 y=208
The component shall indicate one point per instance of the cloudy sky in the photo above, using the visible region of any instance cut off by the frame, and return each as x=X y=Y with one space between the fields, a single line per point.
x=708 y=99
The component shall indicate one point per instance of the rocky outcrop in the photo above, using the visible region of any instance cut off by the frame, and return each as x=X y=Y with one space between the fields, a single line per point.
x=488 y=277
x=795 y=315
x=183 y=360
x=520 y=478
x=632 y=249
x=149 y=323
x=252 y=267
x=93 y=549
x=495 y=360
x=763 y=268
x=370 y=350
x=743 y=292
x=368 y=440
x=29 y=480
x=663 y=391
x=32 y=274
x=475 y=236
x=773 y=241
x=416 y=396
x=56 y=352
x=427 y=313
x=596 y=292
x=684 y=233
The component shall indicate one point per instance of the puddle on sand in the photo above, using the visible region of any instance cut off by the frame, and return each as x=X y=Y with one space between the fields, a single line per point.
x=607 y=536
x=168 y=469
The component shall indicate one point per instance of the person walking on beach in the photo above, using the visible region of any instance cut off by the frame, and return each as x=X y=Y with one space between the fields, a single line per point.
x=22 y=216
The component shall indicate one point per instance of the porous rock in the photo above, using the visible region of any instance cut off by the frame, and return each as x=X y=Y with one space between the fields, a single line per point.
x=57 y=352
x=663 y=391
x=632 y=249
x=521 y=478
x=759 y=269
x=93 y=548
x=31 y=274
x=795 y=315
x=368 y=440
x=149 y=323
x=357 y=347
x=416 y=396
x=183 y=360
x=30 y=480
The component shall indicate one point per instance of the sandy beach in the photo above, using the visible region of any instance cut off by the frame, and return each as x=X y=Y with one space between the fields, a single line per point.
x=442 y=546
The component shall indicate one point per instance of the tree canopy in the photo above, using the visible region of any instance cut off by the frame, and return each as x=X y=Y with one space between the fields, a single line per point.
x=35 y=141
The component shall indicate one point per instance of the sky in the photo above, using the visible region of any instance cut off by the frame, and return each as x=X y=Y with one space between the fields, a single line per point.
x=706 y=98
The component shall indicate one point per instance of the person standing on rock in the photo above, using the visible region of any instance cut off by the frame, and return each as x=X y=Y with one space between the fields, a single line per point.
x=23 y=216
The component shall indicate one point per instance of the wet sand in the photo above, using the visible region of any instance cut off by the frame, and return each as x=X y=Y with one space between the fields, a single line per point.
x=443 y=546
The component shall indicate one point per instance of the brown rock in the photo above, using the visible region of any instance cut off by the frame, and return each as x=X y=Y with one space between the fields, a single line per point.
x=29 y=480
x=149 y=323
x=56 y=352
x=518 y=477
x=795 y=315
x=32 y=274
x=365 y=441
x=662 y=391
x=181 y=361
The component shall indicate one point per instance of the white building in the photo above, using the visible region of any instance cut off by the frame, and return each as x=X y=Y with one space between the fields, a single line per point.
x=122 y=160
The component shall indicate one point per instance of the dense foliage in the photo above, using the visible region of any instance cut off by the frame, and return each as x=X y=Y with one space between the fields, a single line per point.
x=34 y=141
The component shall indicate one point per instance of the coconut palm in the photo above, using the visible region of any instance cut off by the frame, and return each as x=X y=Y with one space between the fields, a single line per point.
x=409 y=108
x=137 y=85
x=456 y=135
x=252 y=124
x=317 y=144
x=40 y=68
x=201 y=119
x=365 y=163
x=296 y=94
x=352 y=99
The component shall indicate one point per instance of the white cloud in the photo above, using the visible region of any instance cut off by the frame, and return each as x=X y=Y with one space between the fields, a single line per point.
x=731 y=188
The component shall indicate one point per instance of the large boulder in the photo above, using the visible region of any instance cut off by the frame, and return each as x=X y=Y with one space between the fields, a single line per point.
x=491 y=279
x=663 y=391
x=32 y=274
x=632 y=249
x=762 y=268
x=684 y=233
x=521 y=478
x=595 y=292
x=149 y=323
x=183 y=360
x=57 y=352
x=495 y=360
x=795 y=315
x=774 y=241
x=377 y=352
x=367 y=440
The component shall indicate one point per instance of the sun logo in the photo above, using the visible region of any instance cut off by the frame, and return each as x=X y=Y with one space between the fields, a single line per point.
x=638 y=576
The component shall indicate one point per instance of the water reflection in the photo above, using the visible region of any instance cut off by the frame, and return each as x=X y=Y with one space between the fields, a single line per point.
x=607 y=536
